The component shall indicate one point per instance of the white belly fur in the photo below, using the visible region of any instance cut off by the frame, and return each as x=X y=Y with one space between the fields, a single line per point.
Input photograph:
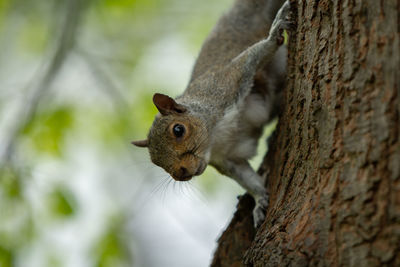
x=236 y=135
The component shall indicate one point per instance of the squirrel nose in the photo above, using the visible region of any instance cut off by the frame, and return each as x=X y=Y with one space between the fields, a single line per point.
x=183 y=174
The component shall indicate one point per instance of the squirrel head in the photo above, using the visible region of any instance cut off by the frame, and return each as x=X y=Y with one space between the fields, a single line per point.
x=177 y=140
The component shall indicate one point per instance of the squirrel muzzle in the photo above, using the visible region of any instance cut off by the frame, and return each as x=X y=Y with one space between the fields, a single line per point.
x=188 y=167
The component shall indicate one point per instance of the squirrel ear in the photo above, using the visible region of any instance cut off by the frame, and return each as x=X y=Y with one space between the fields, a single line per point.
x=141 y=143
x=166 y=105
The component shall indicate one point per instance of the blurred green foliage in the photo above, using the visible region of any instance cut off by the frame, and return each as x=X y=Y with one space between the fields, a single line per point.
x=61 y=202
x=110 y=250
x=10 y=186
x=110 y=106
x=16 y=226
x=33 y=39
x=6 y=257
x=48 y=128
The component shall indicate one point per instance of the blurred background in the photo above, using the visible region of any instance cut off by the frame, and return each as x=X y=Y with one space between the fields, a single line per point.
x=76 y=82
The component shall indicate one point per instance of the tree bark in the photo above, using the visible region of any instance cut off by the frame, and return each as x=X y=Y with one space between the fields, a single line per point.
x=334 y=167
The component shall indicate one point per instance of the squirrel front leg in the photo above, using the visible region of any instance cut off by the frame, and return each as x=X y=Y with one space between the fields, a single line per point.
x=243 y=174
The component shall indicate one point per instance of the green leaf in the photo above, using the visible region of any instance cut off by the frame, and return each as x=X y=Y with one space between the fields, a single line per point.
x=286 y=37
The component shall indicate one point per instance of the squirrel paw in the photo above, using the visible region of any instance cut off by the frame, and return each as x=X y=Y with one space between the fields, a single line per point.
x=281 y=22
x=260 y=209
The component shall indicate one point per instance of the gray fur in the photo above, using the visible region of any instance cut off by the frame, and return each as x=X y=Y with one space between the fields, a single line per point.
x=234 y=91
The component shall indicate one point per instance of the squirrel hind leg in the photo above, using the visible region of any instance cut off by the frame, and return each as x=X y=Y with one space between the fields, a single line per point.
x=262 y=52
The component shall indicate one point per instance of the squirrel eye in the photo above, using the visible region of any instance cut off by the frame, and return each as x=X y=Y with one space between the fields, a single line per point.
x=178 y=130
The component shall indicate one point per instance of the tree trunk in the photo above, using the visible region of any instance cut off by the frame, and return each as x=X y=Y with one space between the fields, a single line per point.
x=334 y=167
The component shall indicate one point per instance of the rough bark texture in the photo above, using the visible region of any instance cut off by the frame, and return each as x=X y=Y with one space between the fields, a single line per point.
x=334 y=168
x=237 y=237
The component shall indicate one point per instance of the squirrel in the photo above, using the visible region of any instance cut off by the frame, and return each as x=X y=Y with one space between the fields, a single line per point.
x=234 y=90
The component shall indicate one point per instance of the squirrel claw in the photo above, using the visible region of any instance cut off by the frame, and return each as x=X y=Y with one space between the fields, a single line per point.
x=281 y=22
x=260 y=209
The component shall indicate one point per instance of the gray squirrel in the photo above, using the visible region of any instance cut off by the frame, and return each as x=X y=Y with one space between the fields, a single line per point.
x=234 y=90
